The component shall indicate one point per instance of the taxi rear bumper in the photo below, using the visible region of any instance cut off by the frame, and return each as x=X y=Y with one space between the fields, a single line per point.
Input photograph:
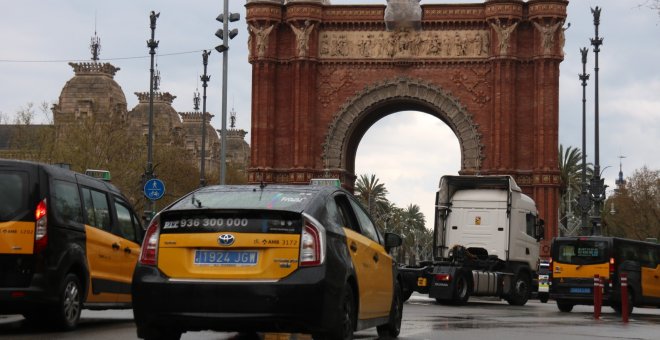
x=305 y=301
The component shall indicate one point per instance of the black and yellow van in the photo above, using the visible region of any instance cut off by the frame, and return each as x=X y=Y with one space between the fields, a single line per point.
x=67 y=241
x=576 y=260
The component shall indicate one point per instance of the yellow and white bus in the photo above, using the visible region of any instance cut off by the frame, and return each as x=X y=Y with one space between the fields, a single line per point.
x=576 y=260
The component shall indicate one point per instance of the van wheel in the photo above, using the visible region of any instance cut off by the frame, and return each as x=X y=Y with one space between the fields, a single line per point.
x=631 y=303
x=564 y=307
x=520 y=290
x=393 y=327
x=66 y=312
x=345 y=324
x=461 y=290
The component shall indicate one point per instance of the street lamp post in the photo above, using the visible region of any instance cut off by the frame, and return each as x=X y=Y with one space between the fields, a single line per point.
x=225 y=35
x=597 y=187
x=584 y=201
x=152 y=44
x=205 y=79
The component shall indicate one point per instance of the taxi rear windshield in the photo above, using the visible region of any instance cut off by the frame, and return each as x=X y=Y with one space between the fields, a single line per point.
x=13 y=196
x=581 y=252
x=247 y=199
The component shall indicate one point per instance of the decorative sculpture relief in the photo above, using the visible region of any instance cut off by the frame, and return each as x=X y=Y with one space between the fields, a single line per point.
x=503 y=35
x=562 y=38
x=548 y=35
x=404 y=44
x=302 y=37
x=331 y=81
x=261 y=34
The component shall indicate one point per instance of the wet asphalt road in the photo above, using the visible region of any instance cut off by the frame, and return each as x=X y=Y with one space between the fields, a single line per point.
x=423 y=319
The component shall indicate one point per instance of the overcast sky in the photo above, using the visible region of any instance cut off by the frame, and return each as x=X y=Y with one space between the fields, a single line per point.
x=39 y=37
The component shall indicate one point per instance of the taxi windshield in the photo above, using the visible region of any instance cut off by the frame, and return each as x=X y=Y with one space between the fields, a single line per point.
x=219 y=198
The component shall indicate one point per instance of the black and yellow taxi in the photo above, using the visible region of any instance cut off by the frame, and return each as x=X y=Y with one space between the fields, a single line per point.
x=266 y=258
x=68 y=241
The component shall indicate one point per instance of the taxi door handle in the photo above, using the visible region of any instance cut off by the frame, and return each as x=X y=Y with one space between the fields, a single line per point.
x=127 y=250
x=353 y=246
x=376 y=257
x=115 y=246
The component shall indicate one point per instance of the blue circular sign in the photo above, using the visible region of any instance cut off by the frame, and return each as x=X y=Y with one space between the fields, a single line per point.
x=154 y=189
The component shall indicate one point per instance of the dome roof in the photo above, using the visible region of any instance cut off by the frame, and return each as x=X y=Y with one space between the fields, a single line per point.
x=91 y=92
x=166 y=120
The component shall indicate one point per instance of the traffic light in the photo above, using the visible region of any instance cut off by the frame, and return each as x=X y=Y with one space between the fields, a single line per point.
x=220 y=33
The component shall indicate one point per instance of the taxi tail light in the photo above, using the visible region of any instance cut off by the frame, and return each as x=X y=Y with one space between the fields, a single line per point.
x=611 y=267
x=312 y=243
x=149 y=252
x=443 y=277
x=41 y=226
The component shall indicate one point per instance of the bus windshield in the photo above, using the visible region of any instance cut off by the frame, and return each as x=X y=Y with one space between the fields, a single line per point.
x=582 y=251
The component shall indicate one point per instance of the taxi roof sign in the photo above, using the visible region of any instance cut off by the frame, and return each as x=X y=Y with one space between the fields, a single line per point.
x=100 y=174
x=331 y=182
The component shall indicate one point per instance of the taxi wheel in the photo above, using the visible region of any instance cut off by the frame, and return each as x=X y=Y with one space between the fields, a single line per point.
x=393 y=327
x=159 y=333
x=543 y=298
x=345 y=325
x=66 y=312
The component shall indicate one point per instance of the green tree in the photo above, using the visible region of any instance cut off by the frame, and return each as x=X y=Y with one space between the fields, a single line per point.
x=570 y=173
x=373 y=195
x=633 y=211
x=414 y=231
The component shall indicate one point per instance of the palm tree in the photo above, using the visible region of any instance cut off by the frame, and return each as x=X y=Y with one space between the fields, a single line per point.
x=570 y=172
x=414 y=230
x=372 y=195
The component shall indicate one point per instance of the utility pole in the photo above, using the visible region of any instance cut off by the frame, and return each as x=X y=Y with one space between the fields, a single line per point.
x=225 y=17
x=149 y=171
x=597 y=183
x=205 y=79
x=584 y=201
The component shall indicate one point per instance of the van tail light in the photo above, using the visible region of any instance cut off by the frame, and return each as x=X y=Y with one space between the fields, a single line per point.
x=312 y=243
x=41 y=227
x=149 y=253
x=611 y=268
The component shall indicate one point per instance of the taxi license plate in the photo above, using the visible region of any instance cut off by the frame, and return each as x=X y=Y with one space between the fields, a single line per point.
x=580 y=290
x=226 y=257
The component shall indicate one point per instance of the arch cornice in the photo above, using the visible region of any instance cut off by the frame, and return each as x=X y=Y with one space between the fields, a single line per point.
x=440 y=102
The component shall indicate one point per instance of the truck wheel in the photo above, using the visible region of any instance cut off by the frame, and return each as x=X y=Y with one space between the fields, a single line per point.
x=461 y=290
x=564 y=307
x=520 y=290
x=66 y=311
x=393 y=327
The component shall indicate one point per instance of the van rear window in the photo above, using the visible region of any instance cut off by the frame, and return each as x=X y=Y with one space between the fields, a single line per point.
x=582 y=252
x=13 y=196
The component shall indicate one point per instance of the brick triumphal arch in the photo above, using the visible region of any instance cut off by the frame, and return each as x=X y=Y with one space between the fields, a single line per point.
x=322 y=74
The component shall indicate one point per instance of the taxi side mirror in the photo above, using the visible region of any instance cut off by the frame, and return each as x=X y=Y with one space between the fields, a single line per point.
x=392 y=240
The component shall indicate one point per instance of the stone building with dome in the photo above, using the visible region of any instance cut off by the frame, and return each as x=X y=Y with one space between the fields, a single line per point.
x=93 y=93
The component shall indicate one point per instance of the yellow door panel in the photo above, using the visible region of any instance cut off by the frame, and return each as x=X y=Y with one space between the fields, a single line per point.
x=105 y=259
x=563 y=270
x=130 y=252
x=16 y=237
x=651 y=281
x=374 y=283
x=276 y=256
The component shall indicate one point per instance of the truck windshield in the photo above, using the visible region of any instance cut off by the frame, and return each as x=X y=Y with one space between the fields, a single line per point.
x=581 y=252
